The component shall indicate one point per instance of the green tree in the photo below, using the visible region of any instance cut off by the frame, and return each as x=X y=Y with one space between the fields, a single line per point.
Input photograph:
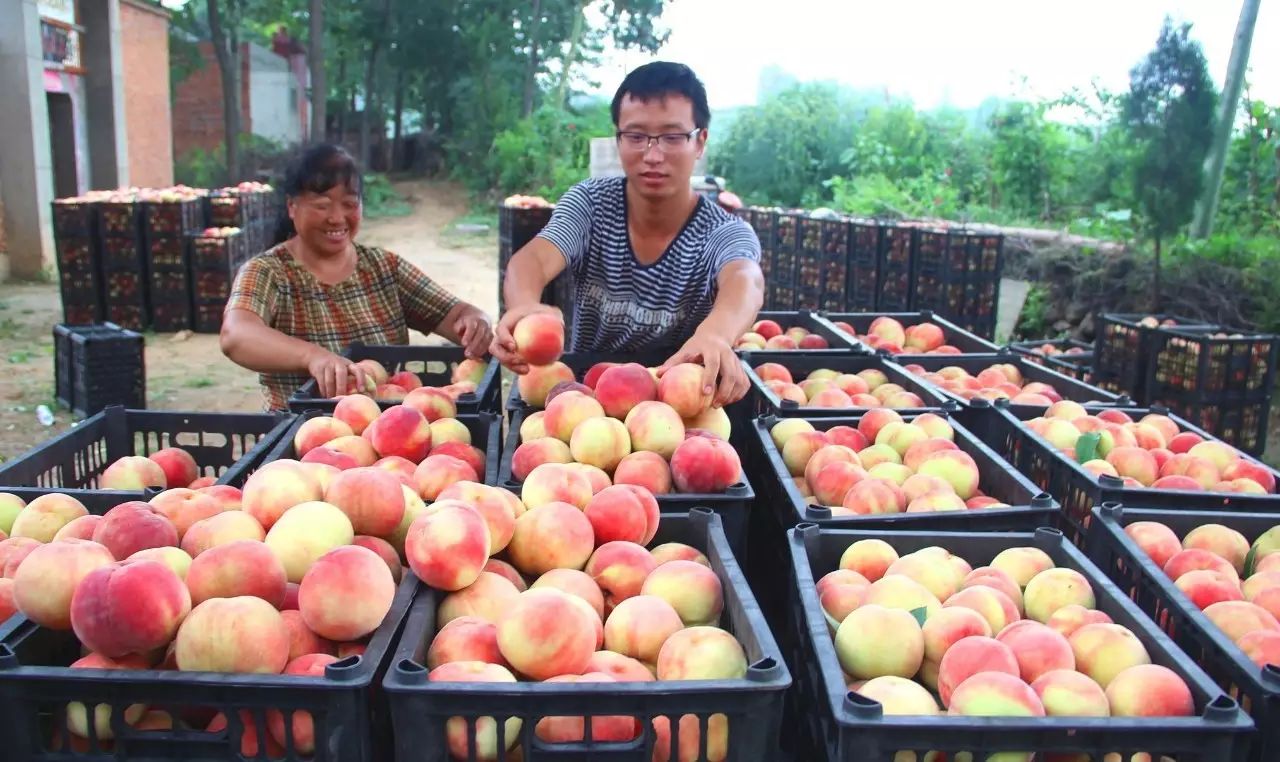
x=1169 y=114
x=1028 y=153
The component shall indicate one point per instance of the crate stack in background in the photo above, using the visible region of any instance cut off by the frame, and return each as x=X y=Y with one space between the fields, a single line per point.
x=75 y=239
x=125 y=280
x=169 y=217
x=821 y=260
x=215 y=258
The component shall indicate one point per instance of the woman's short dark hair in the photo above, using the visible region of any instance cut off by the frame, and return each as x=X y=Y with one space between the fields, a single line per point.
x=660 y=79
x=318 y=169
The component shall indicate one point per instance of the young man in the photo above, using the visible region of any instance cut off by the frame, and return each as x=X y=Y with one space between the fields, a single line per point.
x=656 y=267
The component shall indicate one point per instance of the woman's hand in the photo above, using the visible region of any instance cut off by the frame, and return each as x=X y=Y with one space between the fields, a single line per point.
x=504 y=344
x=333 y=372
x=474 y=332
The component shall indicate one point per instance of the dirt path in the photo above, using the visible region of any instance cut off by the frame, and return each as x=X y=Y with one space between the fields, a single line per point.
x=190 y=372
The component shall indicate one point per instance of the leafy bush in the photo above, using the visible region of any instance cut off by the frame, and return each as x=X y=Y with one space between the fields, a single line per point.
x=261 y=159
x=381 y=199
x=546 y=153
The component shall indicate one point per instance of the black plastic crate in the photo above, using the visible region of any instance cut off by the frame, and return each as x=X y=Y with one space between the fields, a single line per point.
x=953 y=335
x=765 y=223
x=125 y=296
x=207 y=318
x=837 y=342
x=937 y=272
x=74 y=219
x=1054 y=354
x=780 y=507
x=517 y=226
x=98 y=365
x=433 y=365
x=845 y=726
x=124 y=253
x=1079 y=491
x=1256 y=688
x=780 y=296
x=733 y=506
x=169 y=316
x=1239 y=423
x=225 y=445
x=76 y=253
x=119 y=219
x=862 y=284
x=229 y=210
x=1211 y=365
x=1123 y=348
x=167 y=252
x=219 y=253
x=82 y=297
x=893 y=293
x=752 y=706
x=822 y=260
x=983 y=255
x=485 y=429
x=174 y=219
x=786 y=237
x=346 y=704
x=765 y=402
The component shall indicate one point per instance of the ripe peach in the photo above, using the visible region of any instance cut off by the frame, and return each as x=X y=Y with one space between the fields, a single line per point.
x=41 y=519
x=81 y=528
x=128 y=607
x=874 y=641
x=134 y=526
x=994 y=606
x=357 y=411
x=346 y=593
x=535 y=384
x=677 y=551
x=644 y=469
x=945 y=628
x=1205 y=587
x=870 y=558
x=713 y=420
x=621 y=388
x=622 y=669
x=919 y=452
x=897 y=591
x=479 y=735
x=1149 y=690
x=176 y=559
x=1204 y=472
x=316 y=432
x=400 y=430
x=302 y=640
x=701 y=653
x=243 y=567
x=970 y=656
x=1134 y=462
x=876 y=455
x=954 y=467
x=357 y=447
x=1038 y=649
x=1235 y=618
x=1052 y=589
x=277 y=487
x=1184 y=441
x=554 y=482
x=619 y=513
x=573 y=582
x=1255 y=472
x=1261 y=646
x=604 y=729
x=133 y=473
x=1196 y=558
x=539 y=338
x=782 y=431
x=389 y=392
x=77 y=715
x=242 y=634
x=620 y=569
x=1156 y=540
x=1220 y=454
x=437 y=472
x=1070 y=618
x=13 y=551
x=184 y=507
x=1103 y=651
x=925 y=568
x=371 y=497
x=179 y=467
x=682 y=388
x=692 y=589
x=874 y=496
x=544 y=634
x=492 y=504
x=486 y=599
x=1067 y=693
x=47 y=578
x=992 y=577
x=220 y=529
x=1220 y=540
x=656 y=427
x=702 y=465
x=833 y=482
x=1022 y=564
x=600 y=442
x=596 y=477
x=1259 y=582
x=466 y=638
x=448 y=546
x=996 y=694
x=551 y=536
x=305 y=533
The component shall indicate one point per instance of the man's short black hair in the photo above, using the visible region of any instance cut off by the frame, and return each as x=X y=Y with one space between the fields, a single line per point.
x=663 y=78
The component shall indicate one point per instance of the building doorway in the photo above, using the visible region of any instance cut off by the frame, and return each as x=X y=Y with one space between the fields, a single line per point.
x=62 y=143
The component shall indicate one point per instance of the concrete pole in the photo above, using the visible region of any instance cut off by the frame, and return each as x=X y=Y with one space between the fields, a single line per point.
x=26 y=160
x=104 y=94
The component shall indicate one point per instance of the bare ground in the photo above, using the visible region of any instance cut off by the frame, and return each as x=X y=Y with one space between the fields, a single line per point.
x=188 y=371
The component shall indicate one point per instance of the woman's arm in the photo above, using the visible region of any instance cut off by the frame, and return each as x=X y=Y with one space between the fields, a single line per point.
x=250 y=343
x=431 y=309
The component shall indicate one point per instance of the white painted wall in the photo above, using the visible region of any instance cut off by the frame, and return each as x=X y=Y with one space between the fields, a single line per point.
x=273 y=102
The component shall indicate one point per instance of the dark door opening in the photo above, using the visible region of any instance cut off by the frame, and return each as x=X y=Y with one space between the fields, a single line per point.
x=62 y=141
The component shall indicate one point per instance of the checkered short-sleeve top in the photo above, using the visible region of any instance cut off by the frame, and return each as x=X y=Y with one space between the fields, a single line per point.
x=378 y=303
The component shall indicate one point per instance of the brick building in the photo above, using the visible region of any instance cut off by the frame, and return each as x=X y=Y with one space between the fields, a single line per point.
x=144 y=38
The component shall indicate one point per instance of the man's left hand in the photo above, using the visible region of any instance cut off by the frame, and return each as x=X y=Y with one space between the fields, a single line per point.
x=474 y=332
x=718 y=359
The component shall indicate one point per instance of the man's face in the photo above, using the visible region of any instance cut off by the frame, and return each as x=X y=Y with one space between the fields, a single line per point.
x=659 y=168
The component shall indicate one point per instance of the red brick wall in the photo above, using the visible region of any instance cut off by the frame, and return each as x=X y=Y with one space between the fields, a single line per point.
x=144 y=42
x=197 y=104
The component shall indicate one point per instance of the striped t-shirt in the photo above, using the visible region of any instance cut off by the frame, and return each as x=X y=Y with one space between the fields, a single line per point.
x=623 y=305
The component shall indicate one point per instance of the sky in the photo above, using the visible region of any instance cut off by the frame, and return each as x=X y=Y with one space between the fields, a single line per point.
x=936 y=52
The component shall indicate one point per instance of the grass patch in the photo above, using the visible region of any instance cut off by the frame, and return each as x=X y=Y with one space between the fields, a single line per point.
x=383 y=200
x=200 y=382
x=456 y=238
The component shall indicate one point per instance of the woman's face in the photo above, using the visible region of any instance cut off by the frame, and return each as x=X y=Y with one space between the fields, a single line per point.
x=326 y=222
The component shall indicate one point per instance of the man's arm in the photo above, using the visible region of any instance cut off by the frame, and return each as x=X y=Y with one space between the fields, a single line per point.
x=739 y=296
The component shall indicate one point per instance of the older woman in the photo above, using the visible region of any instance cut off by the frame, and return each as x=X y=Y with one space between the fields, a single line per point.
x=296 y=306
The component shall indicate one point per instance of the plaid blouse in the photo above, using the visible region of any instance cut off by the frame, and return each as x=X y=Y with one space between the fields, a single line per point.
x=382 y=299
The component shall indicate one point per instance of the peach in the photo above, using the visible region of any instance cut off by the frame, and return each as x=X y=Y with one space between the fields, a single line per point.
x=713 y=420
x=622 y=387
x=346 y=593
x=437 y=472
x=133 y=473
x=954 y=467
x=622 y=669
x=302 y=726
x=1184 y=441
x=678 y=551
x=921 y=451
x=13 y=551
x=176 y=559
x=619 y=513
x=834 y=481
x=701 y=653
x=486 y=599
x=1235 y=618
x=128 y=607
x=389 y=392
x=179 y=467
x=897 y=591
x=551 y=536
x=800 y=449
x=620 y=569
x=970 y=656
x=41 y=519
x=1156 y=540
x=655 y=427
x=305 y=533
x=534 y=385
x=1268 y=598
x=1204 y=472
x=400 y=430
x=1220 y=540
x=317 y=431
x=1067 y=693
x=874 y=496
x=947 y=627
x=1255 y=472
x=220 y=529
x=302 y=640
x=405 y=379
x=1052 y=589
x=767 y=328
x=81 y=528
x=46 y=580
x=1114 y=416
x=544 y=634
x=991 y=577
x=1219 y=454
x=1103 y=651
x=357 y=411
x=1070 y=618
x=596 y=477
x=782 y=431
x=702 y=465
x=1260 y=581
x=937 y=578
x=434 y=404
x=876 y=455
x=371 y=497
x=531 y=454
x=839 y=599
x=553 y=482
x=242 y=634
x=682 y=387
x=1196 y=558
x=277 y=487
x=134 y=526
x=875 y=641
x=539 y=338
x=10 y=506
x=1022 y=564
x=462 y=450
x=357 y=447
x=827 y=455
x=1134 y=462
x=900 y=436
x=448 y=546
x=576 y=583
x=644 y=469
x=1038 y=649
x=944 y=500
x=604 y=729
x=639 y=625
x=446 y=430
x=692 y=589
x=1205 y=587
x=600 y=442
x=184 y=507
x=1149 y=690
x=566 y=411
x=1261 y=646
x=463 y=639
x=996 y=694
x=870 y=558
x=994 y=606
x=243 y=567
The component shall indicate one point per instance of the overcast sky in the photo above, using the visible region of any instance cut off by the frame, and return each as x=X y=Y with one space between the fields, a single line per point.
x=945 y=51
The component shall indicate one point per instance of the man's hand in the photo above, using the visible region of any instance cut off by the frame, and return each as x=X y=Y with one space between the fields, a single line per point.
x=504 y=344
x=474 y=332
x=718 y=359
x=333 y=372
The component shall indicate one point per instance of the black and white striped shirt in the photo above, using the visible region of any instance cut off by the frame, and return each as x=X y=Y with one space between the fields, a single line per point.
x=623 y=305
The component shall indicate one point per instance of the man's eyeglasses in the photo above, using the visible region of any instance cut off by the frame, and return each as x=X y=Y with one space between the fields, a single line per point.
x=671 y=141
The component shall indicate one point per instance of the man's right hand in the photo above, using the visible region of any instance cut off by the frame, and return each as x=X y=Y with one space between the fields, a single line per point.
x=504 y=344
x=333 y=373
